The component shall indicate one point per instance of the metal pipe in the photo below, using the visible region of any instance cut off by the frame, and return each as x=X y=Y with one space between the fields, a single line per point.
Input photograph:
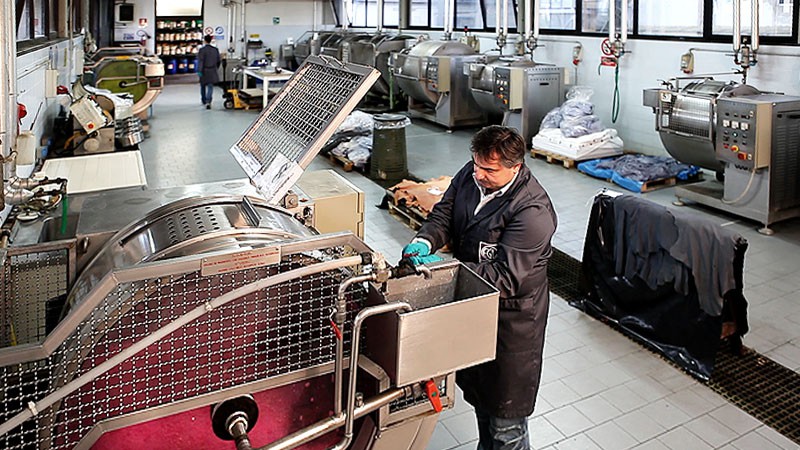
x=497 y=23
x=737 y=25
x=381 y=7
x=505 y=17
x=325 y=426
x=755 y=27
x=166 y=330
x=8 y=86
x=624 y=20
x=348 y=14
x=363 y=315
x=536 y=18
x=612 y=20
x=243 y=41
x=339 y=317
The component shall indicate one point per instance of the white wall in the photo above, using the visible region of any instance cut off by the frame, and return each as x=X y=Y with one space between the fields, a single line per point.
x=295 y=18
x=142 y=9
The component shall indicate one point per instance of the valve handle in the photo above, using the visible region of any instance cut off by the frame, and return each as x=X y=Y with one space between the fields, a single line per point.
x=432 y=392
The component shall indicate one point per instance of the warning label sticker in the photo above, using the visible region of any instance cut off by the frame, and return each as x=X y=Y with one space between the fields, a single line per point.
x=248 y=259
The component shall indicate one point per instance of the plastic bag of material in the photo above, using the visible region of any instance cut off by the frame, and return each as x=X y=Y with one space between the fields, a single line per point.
x=580 y=93
x=357 y=122
x=552 y=119
x=581 y=126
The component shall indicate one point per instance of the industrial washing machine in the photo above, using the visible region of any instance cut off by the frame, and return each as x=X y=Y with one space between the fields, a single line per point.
x=188 y=317
x=431 y=74
x=126 y=70
x=750 y=139
x=375 y=51
x=519 y=90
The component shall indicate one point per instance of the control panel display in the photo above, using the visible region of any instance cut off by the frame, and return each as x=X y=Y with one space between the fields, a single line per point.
x=743 y=133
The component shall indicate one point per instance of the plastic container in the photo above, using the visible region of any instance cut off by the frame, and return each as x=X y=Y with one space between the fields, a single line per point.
x=389 y=157
x=191 y=67
x=183 y=64
x=170 y=66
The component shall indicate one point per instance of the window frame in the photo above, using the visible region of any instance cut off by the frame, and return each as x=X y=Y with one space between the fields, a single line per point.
x=633 y=33
x=48 y=16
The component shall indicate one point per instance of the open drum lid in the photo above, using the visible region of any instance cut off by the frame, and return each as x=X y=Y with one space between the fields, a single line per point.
x=275 y=150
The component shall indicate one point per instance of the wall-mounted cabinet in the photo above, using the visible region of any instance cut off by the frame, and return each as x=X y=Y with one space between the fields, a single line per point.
x=178 y=39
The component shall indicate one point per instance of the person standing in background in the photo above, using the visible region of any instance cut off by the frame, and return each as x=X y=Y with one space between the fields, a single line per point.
x=208 y=61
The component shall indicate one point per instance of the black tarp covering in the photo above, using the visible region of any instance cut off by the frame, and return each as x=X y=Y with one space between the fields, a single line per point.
x=669 y=316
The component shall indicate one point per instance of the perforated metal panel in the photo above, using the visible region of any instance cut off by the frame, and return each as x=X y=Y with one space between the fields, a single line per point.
x=34 y=286
x=287 y=135
x=270 y=333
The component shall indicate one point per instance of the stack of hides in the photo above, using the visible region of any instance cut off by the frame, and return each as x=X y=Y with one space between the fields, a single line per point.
x=669 y=278
x=421 y=196
x=353 y=139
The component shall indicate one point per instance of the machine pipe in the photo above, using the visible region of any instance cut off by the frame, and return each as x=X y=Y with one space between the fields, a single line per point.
x=325 y=426
x=339 y=316
x=737 y=25
x=166 y=330
x=379 y=28
x=612 y=20
x=8 y=86
x=363 y=315
x=624 y=20
x=243 y=40
x=755 y=27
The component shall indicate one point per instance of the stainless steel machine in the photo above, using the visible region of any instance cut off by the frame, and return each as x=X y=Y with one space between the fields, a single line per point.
x=375 y=51
x=431 y=74
x=519 y=90
x=748 y=138
x=186 y=317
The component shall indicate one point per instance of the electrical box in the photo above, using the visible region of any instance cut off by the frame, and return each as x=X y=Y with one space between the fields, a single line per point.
x=333 y=203
x=751 y=130
x=50 y=83
x=438 y=74
x=508 y=87
x=88 y=114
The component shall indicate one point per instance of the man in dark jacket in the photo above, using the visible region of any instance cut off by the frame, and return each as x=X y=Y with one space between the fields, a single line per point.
x=499 y=221
x=208 y=61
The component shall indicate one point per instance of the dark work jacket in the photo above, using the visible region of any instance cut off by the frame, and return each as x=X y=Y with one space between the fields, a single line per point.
x=207 y=63
x=508 y=244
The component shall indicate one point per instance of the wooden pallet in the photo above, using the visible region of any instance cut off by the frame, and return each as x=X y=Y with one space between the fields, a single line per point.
x=652 y=185
x=412 y=217
x=346 y=164
x=554 y=158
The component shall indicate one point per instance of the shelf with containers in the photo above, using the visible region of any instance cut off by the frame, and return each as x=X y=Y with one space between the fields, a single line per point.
x=178 y=39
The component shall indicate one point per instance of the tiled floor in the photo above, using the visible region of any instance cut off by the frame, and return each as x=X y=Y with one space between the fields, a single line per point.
x=599 y=390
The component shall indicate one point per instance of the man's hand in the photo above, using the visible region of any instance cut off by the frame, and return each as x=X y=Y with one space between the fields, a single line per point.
x=417 y=260
x=416 y=249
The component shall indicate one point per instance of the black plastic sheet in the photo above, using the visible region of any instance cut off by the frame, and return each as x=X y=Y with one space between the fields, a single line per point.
x=670 y=322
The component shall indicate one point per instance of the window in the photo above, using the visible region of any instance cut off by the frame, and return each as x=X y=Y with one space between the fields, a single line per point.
x=656 y=17
x=391 y=13
x=419 y=13
x=774 y=17
x=595 y=15
x=557 y=14
x=469 y=15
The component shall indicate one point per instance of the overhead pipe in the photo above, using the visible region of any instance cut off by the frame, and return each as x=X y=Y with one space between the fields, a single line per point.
x=243 y=44
x=624 y=24
x=612 y=20
x=737 y=25
x=755 y=27
x=348 y=14
x=448 y=23
x=8 y=87
x=381 y=6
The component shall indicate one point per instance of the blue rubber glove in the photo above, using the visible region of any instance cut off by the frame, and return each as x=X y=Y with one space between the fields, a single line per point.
x=417 y=260
x=200 y=74
x=416 y=249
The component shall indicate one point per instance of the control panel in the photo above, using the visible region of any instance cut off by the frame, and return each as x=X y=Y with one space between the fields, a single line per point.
x=508 y=87
x=437 y=74
x=744 y=132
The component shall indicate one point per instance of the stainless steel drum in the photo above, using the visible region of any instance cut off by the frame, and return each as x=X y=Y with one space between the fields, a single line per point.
x=411 y=68
x=375 y=51
x=686 y=118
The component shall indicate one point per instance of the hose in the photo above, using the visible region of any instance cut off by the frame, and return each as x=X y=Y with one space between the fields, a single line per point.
x=615 y=101
x=744 y=193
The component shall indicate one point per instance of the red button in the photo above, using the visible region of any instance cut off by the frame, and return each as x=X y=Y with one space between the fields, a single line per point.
x=734 y=148
x=742 y=156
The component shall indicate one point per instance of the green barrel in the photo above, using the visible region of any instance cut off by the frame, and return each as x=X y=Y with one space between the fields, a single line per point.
x=389 y=161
